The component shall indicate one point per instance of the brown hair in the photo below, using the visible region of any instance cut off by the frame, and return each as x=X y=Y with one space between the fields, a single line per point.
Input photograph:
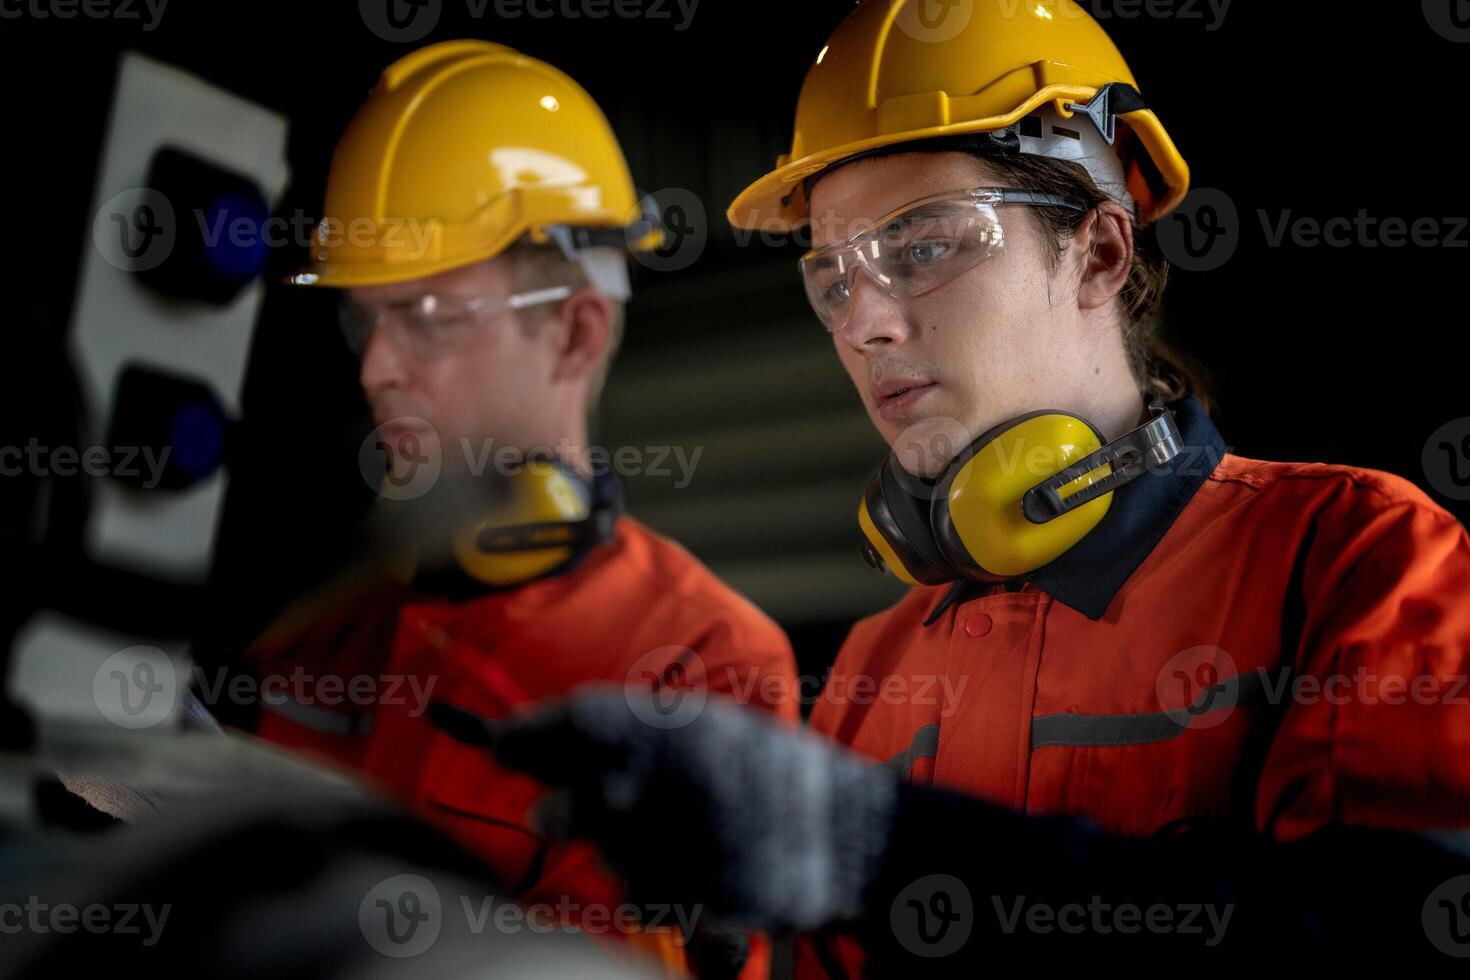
x=1158 y=366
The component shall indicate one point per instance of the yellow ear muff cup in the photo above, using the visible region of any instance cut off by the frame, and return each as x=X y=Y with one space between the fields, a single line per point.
x=541 y=491
x=977 y=516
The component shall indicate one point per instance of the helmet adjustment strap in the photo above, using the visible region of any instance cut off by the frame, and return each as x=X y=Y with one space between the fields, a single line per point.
x=1111 y=101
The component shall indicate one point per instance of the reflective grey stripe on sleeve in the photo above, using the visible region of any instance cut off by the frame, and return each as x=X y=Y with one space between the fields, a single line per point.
x=925 y=745
x=1240 y=691
x=320 y=719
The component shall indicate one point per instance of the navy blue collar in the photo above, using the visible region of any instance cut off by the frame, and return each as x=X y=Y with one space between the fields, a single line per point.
x=1088 y=576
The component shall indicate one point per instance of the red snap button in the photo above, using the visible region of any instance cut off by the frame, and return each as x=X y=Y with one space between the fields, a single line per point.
x=978 y=624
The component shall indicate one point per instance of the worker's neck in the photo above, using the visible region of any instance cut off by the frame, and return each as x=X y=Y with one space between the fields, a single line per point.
x=1120 y=415
x=573 y=449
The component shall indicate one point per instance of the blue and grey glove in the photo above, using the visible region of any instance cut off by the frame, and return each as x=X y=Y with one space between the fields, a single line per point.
x=765 y=827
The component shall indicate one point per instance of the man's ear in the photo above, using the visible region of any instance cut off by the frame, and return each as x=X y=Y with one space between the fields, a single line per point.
x=1105 y=242
x=585 y=329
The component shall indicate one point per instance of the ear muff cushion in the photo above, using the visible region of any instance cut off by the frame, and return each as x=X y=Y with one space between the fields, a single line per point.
x=904 y=501
x=977 y=519
x=879 y=551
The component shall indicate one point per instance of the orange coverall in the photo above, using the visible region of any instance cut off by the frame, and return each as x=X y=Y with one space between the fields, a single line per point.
x=639 y=609
x=1279 y=645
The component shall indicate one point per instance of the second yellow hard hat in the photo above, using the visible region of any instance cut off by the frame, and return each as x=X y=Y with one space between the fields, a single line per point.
x=462 y=148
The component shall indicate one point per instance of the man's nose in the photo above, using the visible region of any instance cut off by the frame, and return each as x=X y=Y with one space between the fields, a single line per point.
x=874 y=319
x=382 y=364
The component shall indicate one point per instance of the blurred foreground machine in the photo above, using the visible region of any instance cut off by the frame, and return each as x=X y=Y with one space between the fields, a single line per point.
x=134 y=832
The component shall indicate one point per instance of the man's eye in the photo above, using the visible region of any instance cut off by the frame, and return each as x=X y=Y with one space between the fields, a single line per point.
x=420 y=322
x=926 y=252
x=838 y=292
x=437 y=321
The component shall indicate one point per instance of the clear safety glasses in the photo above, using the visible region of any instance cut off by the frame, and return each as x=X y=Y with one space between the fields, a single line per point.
x=916 y=249
x=429 y=326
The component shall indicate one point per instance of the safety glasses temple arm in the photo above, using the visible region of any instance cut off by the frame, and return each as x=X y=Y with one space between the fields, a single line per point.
x=519 y=301
x=1040 y=200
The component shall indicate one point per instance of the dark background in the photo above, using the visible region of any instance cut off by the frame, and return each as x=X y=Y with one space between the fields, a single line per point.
x=1344 y=355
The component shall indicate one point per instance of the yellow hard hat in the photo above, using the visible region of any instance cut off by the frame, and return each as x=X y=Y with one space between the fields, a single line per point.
x=462 y=148
x=888 y=76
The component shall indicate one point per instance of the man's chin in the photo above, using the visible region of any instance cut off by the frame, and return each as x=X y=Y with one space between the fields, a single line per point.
x=925 y=446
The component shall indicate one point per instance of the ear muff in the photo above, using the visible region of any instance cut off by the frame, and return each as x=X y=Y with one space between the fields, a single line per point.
x=546 y=518
x=979 y=520
x=894 y=517
x=1013 y=500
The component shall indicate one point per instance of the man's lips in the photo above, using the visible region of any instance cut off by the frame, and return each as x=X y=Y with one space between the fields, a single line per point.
x=405 y=431
x=895 y=398
x=405 y=423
